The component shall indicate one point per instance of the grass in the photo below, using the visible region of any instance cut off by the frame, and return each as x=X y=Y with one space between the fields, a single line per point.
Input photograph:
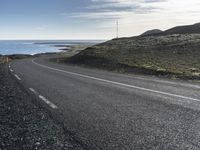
x=9 y=58
x=177 y=56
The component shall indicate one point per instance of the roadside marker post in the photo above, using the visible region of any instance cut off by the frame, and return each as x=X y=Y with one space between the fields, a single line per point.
x=5 y=59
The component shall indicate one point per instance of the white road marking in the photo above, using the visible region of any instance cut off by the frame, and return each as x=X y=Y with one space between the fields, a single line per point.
x=11 y=70
x=32 y=90
x=168 y=82
x=44 y=99
x=118 y=83
x=48 y=102
x=18 y=77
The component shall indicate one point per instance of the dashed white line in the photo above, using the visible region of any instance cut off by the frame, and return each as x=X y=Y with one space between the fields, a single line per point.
x=118 y=83
x=48 y=102
x=44 y=99
x=11 y=70
x=32 y=90
x=18 y=78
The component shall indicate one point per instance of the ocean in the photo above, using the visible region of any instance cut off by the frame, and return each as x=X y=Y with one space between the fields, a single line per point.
x=9 y=47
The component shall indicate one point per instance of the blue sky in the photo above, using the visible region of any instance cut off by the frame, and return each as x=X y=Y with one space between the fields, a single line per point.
x=91 y=19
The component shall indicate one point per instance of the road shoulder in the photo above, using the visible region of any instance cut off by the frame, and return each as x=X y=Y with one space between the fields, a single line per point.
x=24 y=125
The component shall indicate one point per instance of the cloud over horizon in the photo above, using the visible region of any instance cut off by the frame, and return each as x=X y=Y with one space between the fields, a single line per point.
x=136 y=16
x=92 y=19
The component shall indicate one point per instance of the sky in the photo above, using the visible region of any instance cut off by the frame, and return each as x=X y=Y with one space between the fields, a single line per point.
x=92 y=19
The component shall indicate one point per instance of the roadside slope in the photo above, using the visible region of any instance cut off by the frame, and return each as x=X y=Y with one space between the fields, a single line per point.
x=175 y=55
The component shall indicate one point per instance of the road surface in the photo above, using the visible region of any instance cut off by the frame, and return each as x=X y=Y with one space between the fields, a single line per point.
x=105 y=110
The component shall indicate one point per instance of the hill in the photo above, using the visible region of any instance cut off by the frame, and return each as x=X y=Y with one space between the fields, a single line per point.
x=151 y=32
x=175 y=55
x=189 y=29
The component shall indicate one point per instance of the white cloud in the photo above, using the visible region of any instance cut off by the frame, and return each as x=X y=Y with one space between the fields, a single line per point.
x=136 y=16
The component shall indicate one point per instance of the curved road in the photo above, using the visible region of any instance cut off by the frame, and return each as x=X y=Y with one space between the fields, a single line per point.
x=105 y=110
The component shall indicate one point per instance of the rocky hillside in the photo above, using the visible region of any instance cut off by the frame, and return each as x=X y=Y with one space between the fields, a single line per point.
x=187 y=29
x=176 y=55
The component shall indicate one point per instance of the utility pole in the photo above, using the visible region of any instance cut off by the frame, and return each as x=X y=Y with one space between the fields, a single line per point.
x=117 y=29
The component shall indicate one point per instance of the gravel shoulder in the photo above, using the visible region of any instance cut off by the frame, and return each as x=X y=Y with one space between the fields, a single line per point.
x=24 y=125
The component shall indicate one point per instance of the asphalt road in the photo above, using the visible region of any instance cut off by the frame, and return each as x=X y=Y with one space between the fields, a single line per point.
x=105 y=110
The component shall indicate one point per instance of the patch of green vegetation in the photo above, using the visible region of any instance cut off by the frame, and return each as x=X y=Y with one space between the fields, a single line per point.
x=19 y=56
x=177 y=54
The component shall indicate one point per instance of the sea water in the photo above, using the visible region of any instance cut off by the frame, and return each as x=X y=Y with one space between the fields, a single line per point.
x=9 y=47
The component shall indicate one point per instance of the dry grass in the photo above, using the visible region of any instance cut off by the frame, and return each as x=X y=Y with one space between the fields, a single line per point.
x=175 y=54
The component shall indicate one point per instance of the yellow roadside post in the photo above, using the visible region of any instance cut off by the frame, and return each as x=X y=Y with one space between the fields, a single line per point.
x=5 y=59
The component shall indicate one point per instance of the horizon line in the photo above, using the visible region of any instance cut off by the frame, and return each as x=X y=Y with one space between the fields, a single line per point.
x=49 y=39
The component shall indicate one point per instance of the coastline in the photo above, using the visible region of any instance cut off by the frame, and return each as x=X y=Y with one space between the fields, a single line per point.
x=73 y=55
x=32 y=47
x=62 y=50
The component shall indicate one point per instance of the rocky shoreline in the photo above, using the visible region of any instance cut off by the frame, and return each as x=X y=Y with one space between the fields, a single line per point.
x=24 y=125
